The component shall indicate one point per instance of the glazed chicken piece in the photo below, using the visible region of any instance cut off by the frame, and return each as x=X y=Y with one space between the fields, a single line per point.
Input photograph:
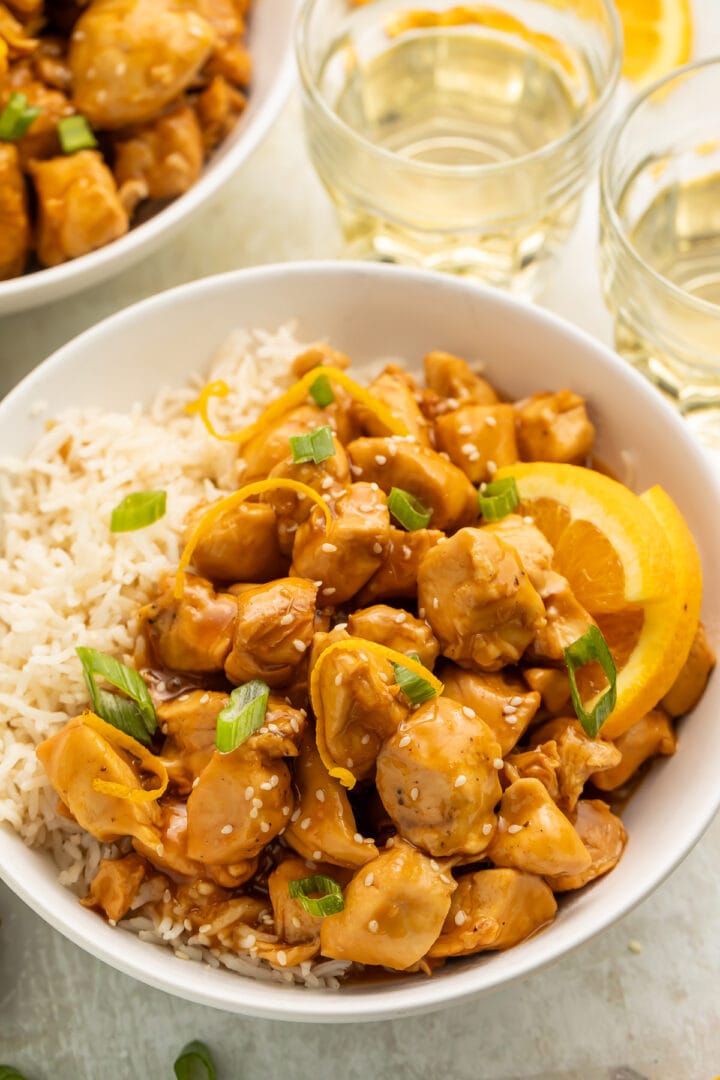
x=14 y=35
x=397 y=390
x=14 y=219
x=223 y=920
x=494 y=909
x=479 y=600
x=395 y=907
x=357 y=706
x=344 y=555
x=318 y=355
x=554 y=427
x=242 y=545
x=49 y=63
x=26 y=9
x=78 y=206
x=130 y=58
x=115 y=886
x=690 y=684
x=437 y=776
x=451 y=377
x=330 y=478
x=541 y=763
x=534 y=835
x=218 y=108
x=437 y=483
x=580 y=756
x=189 y=722
x=553 y=686
x=397 y=575
x=293 y=923
x=273 y=629
x=397 y=629
x=164 y=156
x=270 y=447
x=324 y=826
x=229 y=59
x=479 y=439
x=651 y=735
x=194 y=633
x=603 y=835
x=500 y=699
x=78 y=754
x=41 y=139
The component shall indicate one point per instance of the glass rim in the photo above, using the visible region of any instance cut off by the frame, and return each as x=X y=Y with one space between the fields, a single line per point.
x=458 y=171
x=703 y=307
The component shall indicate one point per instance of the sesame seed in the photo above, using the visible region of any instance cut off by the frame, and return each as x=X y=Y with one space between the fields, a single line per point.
x=160 y=850
x=305 y=823
x=365 y=739
x=491 y=421
x=349 y=762
x=358 y=838
x=465 y=429
x=329 y=590
x=282 y=957
x=248 y=942
x=320 y=795
x=528 y=520
x=254 y=812
x=487 y=828
x=226 y=830
x=511 y=719
x=377 y=549
x=167 y=896
x=460 y=918
x=475 y=456
x=436 y=603
x=196 y=781
x=327 y=483
x=286 y=811
x=204 y=699
x=452 y=402
x=266 y=786
x=517 y=700
x=383 y=676
x=512 y=829
x=317 y=855
x=265 y=826
x=467 y=711
x=205 y=928
x=295 y=724
x=460 y=780
x=356 y=470
x=414 y=794
x=340 y=626
x=448 y=880
x=468 y=448
x=421 y=612
x=299 y=645
x=406 y=551
x=329 y=548
x=498 y=763
x=369 y=878
x=434 y=866
x=257 y=803
x=400 y=617
x=249 y=792
x=296 y=922
x=113 y=922
x=380 y=459
x=405 y=741
x=292 y=527
x=374 y=486
x=286 y=619
x=373 y=926
x=491 y=467
x=274 y=780
x=508 y=710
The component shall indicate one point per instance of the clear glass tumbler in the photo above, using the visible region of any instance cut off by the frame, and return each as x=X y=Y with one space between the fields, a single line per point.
x=660 y=240
x=458 y=138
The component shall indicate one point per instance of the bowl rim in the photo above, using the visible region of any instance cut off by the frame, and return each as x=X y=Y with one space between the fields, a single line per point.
x=29 y=289
x=273 y=1000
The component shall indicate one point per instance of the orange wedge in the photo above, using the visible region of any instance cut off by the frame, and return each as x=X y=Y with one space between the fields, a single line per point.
x=658 y=37
x=632 y=562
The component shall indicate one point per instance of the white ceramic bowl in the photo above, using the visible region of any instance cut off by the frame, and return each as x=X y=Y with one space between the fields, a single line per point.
x=371 y=310
x=270 y=43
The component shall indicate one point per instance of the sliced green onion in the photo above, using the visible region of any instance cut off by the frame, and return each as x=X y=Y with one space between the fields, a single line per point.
x=138 y=510
x=415 y=689
x=316 y=446
x=409 y=511
x=328 y=904
x=75 y=134
x=243 y=715
x=7 y=1072
x=134 y=714
x=195 y=1062
x=592 y=646
x=321 y=391
x=498 y=499
x=16 y=118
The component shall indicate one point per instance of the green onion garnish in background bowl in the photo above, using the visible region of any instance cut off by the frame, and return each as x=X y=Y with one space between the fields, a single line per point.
x=138 y=510
x=498 y=499
x=75 y=133
x=316 y=446
x=134 y=714
x=409 y=511
x=592 y=646
x=415 y=689
x=322 y=392
x=330 y=900
x=16 y=118
x=243 y=715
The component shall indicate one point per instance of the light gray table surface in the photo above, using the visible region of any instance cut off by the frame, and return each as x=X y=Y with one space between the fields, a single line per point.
x=609 y=1011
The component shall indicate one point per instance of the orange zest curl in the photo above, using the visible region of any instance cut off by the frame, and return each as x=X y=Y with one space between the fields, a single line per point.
x=357 y=644
x=148 y=761
x=258 y=487
x=296 y=395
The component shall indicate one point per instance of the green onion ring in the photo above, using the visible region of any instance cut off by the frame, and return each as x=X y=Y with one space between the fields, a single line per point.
x=321 y=392
x=195 y=1062
x=592 y=646
x=136 y=716
x=328 y=904
x=242 y=716
x=415 y=689
x=409 y=511
x=498 y=499
x=138 y=510
x=316 y=446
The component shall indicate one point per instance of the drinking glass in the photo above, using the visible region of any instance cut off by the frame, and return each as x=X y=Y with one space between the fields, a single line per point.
x=660 y=239
x=458 y=138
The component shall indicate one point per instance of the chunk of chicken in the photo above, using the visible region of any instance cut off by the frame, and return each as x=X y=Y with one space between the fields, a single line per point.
x=293 y=923
x=242 y=545
x=15 y=35
x=189 y=722
x=534 y=835
x=603 y=835
x=580 y=756
x=395 y=907
x=324 y=826
x=269 y=447
x=438 y=780
x=164 y=156
x=318 y=355
x=330 y=478
x=226 y=921
x=479 y=439
x=479 y=600
x=218 y=108
x=541 y=763
x=690 y=684
x=397 y=574
x=343 y=555
x=115 y=886
x=451 y=377
x=494 y=909
x=78 y=206
x=553 y=686
x=78 y=754
x=397 y=629
x=41 y=139
x=49 y=63
x=274 y=627
x=130 y=58
x=651 y=735
x=14 y=218
x=357 y=706
x=554 y=427
x=500 y=699
x=193 y=633
x=396 y=389
x=437 y=483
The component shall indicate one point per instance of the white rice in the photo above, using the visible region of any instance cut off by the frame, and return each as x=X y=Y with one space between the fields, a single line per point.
x=66 y=580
